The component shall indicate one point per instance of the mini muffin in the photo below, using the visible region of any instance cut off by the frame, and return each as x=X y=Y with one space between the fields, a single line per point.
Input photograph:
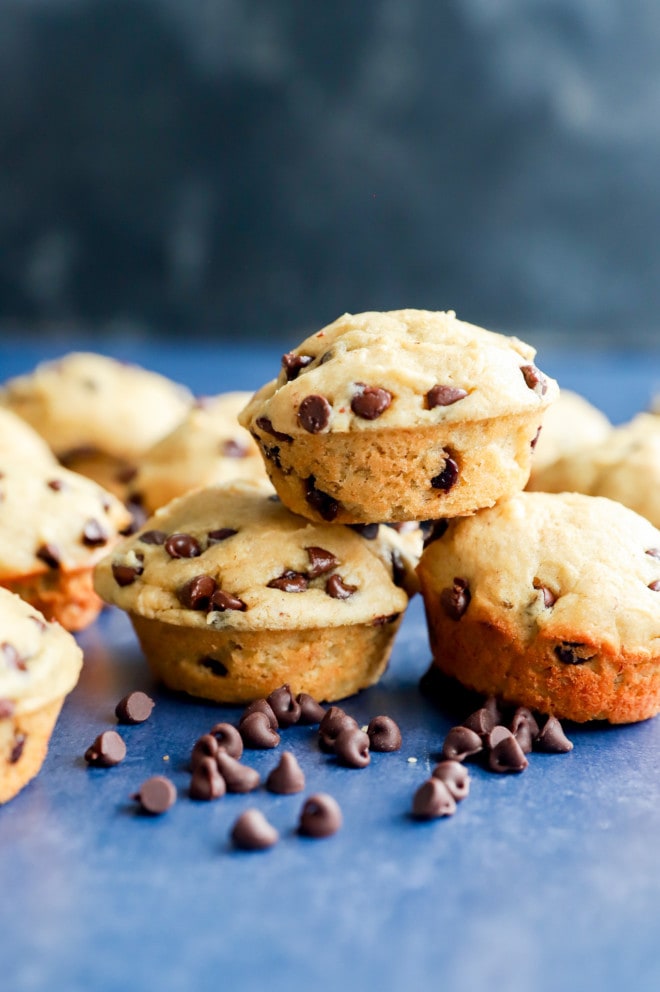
x=207 y=448
x=20 y=443
x=625 y=466
x=98 y=415
x=39 y=664
x=551 y=601
x=407 y=415
x=54 y=526
x=231 y=596
x=570 y=424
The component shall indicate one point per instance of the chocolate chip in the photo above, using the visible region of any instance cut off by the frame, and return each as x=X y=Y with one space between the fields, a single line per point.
x=138 y=515
x=222 y=601
x=352 y=747
x=107 y=750
x=289 y=582
x=432 y=800
x=455 y=777
x=207 y=783
x=444 y=396
x=655 y=586
x=368 y=531
x=234 y=449
x=386 y=618
x=336 y=588
x=49 y=554
x=552 y=738
x=535 y=439
x=238 y=777
x=260 y=706
x=17 y=748
x=292 y=364
x=370 y=402
x=216 y=667
x=524 y=728
x=182 y=546
x=272 y=453
x=314 y=414
x=549 y=598
x=482 y=721
x=57 y=485
x=497 y=734
x=320 y=561
x=125 y=575
x=156 y=795
x=228 y=739
x=94 y=535
x=311 y=712
x=384 y=734
x=653 y=552
x=197 y=592
x=12 y=657
x=325 y=505
x=433 y=530
x=136 y=707
x=568 y=653
x=334 y=721
x=461 y=743
x=448 y=478
x=257 y=732
x=284 y=706
x=399 y=572
x=157 y=537
x=7 y=708
x=455 y=600
x=204 y=747
x=287 y=777
x=253 y=832
x=126 y=474
x=221 y=534
x=505 y=755
x=265 y=425
x=492 y=706
x=534 y=379
x=320 y=816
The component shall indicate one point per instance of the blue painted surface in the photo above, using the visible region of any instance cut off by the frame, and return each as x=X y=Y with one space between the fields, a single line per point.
x=549 y=880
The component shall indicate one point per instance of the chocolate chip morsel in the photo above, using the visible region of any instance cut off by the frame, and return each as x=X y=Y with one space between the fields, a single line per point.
x=320 y=816
x=370 y=402
x=524 y=728
x=205 y=747
x=311 y=712
x=49 y=554
x=334 y=721
x=569 y=653
x=220 y=534
x=552 y=738
x=260 y=706
x=444 y=396
x=384 y=734
x=505 y=755
x=320 y=561
x=94 y=535
x=284 y=706
x=257 y=732
x=12 y=657
x=287 y=777
x=455 y=776
x=314 y=414
x=448 y=477
x=125 y=574
x=461 y=743
x=264 y=424
x=455 y=600
x=655 y=585
x=136 y=707
x=253 y=832
x=535 y=379
x=107 y=750
x=182 y=546
x=433 y=799
x=368 y=531
x=222 y=601
x=336 y=588
x=289 y=581
x=207 y=783
x=7 y=707
x=156 y=537
x=352 y=747
x=17 y=748
x=293 y=364
x=197 y=592
x=156 y=795
x=228 y=739
x=325 y=505
x=238 y=777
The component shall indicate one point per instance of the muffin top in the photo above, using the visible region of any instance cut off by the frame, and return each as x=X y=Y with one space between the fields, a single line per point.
x=39 y=661
x=85 y=400
x=403 y=368
x=207 y=447
x=53 y=518
x=20 y=442
x=575 y=568
x=570 y=424
x=234 y=556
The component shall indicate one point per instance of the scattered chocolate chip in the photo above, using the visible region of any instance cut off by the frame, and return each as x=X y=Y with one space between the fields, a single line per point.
x=352 y=747
x=497 y=734
x=655 y=586
x=17 y=748
x=535 y=379
x=253 y=832
x=325 y=505
x=221 y=534
x=320 y=816
x=126 y=474
x=455 y=600
x=265 y=425
x=107 y=750
x=524 y=728
x=215 y=667
x=293 y=364
x=204 y=747
x=197 y=592
x=314 y=414
x=49 y=554
x=320 y=561
x=257 y=732
x=384 y=734
x=206 y=782
x=505 y=755
x=289 y=581
x=433 y=799
x=156 y=795
x=125 y=575
x=568 y=653
x=444 y=396
x=138 y=515
x=136 y=707
x=482 y=721
x=238 y=777
x=94 y=535
x=157 y=537
x=311 y=712
x=653 y=552
x=234 y=449
x=7 y=708
x=552 y=738
x=272 y=453
x=382 y=620
x=448 y=477
x=549 y=598
x=455 y=776
x=398 y=569
x=222 y=601
x=461 y=743
x=492 y=706
x=334 y=721
x=433 y=530
x=336 y=588
x=182 y=546
x=287 y=777
x=284 y=706
x=12 y=657
x=368 y=531
x=370 y=402
x=535 y=439
x=228 y=739
x=260 y=706
x=56 y=485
